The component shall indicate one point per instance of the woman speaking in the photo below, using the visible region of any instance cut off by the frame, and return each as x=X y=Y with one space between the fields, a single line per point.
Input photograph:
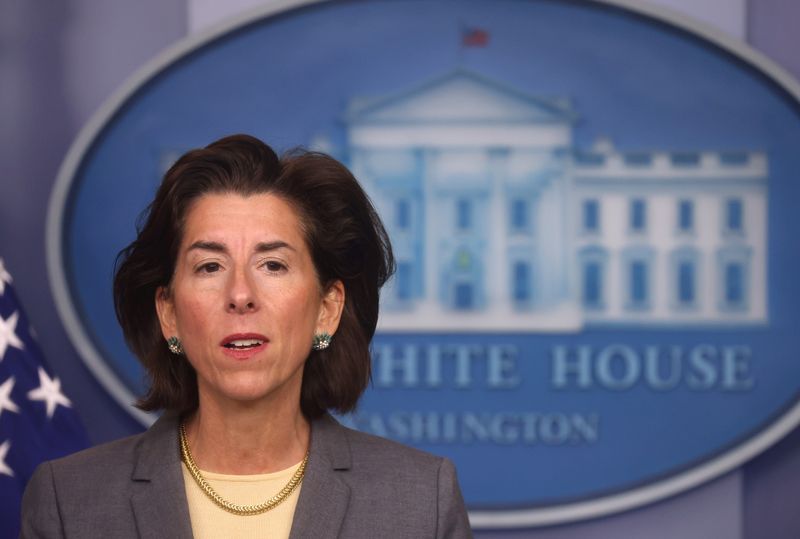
x=250 y=295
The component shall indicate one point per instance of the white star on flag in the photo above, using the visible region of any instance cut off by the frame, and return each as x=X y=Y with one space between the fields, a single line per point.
x=8 y=335
x=27 y=437
x=49 y=391
x=5 y=277
x=4 y=469
x=5 y=396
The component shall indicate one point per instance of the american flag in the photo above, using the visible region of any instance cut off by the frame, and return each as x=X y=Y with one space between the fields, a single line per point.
x=474 y=37
x=37 y=420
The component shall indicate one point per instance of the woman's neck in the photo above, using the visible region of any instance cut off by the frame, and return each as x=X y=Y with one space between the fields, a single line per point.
x=245 y=438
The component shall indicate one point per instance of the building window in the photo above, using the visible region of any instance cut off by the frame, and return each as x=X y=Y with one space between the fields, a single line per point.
x=734 y=215
x=403 y=214
x=638 y=159
x=464 y=296
x=685 y=215
x=404 y=280
x=521 y=280
x=736 y=159
x=519 y=215
x=463 y=214
x=592 y=284
x=591 y=216
x=734 y=278
x=589 y=159
x=638 y=268
x=684 y=275
x=638 y=215
x=593 y=268
x=686 y=282
x=638 y=291
x=734 y=284
x=685 y=159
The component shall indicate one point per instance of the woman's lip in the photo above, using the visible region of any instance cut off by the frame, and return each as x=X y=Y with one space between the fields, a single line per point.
x=244 y=337
x=244 y=353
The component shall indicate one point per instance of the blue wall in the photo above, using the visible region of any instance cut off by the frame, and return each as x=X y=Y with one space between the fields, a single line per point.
x=62 y=59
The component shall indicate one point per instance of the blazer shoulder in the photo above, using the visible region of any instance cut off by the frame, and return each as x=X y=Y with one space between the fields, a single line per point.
x=382 y=476
x=369 y=458
x=61 y=491
x=142 y=455
x=371 y=447
x=111 y=490
x=96 y=460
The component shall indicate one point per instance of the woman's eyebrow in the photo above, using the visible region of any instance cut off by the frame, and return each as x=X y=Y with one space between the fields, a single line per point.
x=264 y=247
x=208 y=246
x=217 y=247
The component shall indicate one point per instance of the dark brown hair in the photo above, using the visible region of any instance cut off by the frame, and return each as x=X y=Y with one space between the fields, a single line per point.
x=345 y=237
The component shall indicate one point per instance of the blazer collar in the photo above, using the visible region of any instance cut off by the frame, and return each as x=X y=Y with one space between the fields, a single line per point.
x=159 y=496
x=324 y=496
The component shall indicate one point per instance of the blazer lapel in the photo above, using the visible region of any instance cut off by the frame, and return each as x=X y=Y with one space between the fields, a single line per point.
x=324 y=496
x=158 y=496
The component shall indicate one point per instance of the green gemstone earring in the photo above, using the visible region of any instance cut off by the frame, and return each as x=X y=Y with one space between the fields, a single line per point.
x=174 y=345
x=321 y=341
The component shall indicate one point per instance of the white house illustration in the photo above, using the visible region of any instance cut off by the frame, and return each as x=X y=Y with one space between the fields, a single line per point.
x=499 y=223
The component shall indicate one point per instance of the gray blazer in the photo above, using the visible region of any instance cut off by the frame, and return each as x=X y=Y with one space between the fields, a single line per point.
x=355 y=486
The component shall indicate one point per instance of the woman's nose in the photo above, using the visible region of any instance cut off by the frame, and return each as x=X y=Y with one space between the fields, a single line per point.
x=242 y=297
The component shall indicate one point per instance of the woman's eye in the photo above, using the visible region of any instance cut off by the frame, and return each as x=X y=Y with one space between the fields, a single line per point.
x=272 y=265
x=209 y=267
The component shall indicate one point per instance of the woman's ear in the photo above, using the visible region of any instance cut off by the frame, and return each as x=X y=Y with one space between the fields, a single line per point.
x=331 y=309
x=165 y=308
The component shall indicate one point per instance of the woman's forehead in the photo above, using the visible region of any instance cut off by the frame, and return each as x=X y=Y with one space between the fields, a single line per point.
x=232 y=219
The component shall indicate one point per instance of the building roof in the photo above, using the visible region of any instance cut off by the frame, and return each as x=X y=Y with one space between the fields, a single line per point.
x=460 y=96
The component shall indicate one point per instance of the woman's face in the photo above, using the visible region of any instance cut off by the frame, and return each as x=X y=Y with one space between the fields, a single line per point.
x=245 y=300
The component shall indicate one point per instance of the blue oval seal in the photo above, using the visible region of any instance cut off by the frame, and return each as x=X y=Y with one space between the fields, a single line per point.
x=591 y=208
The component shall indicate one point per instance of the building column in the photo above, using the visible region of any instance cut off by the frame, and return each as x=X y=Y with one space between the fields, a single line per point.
x=496 y=262
x=429 y=236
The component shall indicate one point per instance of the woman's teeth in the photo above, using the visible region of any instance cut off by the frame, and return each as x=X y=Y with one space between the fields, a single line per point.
x=244 y=343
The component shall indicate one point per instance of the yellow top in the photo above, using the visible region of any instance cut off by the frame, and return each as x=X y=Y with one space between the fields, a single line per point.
x=211 y=521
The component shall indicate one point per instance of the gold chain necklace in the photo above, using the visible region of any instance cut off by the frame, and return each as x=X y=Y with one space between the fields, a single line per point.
x=236 y=509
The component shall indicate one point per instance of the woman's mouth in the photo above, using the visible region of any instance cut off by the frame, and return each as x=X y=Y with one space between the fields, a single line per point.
x=243 y=344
